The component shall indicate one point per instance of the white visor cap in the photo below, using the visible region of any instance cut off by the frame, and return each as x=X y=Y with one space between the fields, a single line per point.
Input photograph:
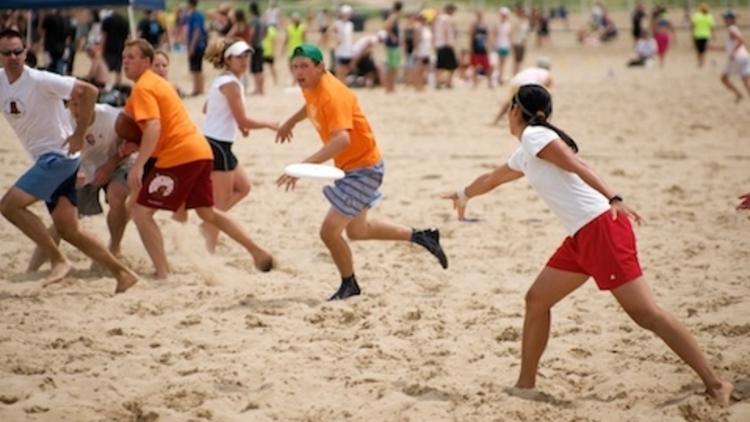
x=237 y=49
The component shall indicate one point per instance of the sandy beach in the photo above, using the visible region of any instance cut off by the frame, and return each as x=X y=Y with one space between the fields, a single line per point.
x=220 y=341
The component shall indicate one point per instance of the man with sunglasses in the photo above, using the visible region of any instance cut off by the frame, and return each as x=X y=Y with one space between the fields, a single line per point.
x=32 y=103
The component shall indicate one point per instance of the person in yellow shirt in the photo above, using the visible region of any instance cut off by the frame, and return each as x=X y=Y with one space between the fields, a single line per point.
x=269 y=50
x=181 y=172
x=295 y=36
x=702 y=24
x=347 y=139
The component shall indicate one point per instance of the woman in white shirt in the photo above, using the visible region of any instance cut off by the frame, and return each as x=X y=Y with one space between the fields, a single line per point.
x=738 y=59
x=225 y=113
x=601 y=243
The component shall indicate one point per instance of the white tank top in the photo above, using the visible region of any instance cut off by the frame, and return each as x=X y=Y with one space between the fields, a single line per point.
x=503 y=34
x=220 y=124
x=425 y=43
x=345 y=34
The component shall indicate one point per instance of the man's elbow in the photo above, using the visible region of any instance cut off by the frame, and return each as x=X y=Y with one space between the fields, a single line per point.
x=85 y=90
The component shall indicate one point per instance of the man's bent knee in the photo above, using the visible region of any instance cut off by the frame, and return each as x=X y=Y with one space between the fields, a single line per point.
x=356 y=233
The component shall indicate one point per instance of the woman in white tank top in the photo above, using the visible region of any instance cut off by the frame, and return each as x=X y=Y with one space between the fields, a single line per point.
x=601 y=243
x=225 y=113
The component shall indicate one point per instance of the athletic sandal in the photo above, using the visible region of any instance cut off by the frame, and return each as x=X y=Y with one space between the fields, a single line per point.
x=348 y=288
x=430 y=240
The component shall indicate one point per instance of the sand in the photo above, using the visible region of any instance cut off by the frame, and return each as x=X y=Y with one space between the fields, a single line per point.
x=220 y=341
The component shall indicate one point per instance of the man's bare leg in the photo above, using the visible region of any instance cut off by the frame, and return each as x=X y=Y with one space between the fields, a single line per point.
x=117 y=217
x=38 y=257
x=229 y=188
x=225 y=223
x=14 y=207
x=151 y=237
x=65 y=217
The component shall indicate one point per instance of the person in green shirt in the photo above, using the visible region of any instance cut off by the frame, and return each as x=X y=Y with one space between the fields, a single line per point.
x=295 y=36
x=269 y=50
x=702 y=26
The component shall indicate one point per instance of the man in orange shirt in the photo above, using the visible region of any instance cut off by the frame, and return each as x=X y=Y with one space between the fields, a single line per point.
x=348 y=140
x=181 y=174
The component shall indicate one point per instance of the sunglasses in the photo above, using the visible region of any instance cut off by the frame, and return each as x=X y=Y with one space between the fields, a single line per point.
x=17 y=52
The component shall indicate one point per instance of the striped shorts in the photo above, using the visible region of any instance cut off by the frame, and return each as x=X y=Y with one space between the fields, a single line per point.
x=357 y=190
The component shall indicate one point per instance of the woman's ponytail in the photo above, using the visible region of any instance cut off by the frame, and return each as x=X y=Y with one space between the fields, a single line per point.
x=536 y=106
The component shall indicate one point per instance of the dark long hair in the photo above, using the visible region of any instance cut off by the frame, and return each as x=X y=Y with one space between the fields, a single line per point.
x=535 y=103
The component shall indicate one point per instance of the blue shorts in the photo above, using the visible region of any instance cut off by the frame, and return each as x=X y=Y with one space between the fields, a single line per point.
x=356 y=191
x=51 y=177
x=503 y=51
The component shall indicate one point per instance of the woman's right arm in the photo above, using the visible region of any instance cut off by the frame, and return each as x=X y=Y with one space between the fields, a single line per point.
x=481 y=185
x=233 y=94
x=284 y=134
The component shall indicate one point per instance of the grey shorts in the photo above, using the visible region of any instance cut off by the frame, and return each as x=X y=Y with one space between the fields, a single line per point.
x=88 y=195
x=356 y=191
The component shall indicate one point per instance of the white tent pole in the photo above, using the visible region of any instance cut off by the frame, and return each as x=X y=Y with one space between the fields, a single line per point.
x=131 y=19
x=29 y=16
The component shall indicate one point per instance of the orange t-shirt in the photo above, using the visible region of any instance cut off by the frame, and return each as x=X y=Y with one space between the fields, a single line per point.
x=331 y=107
x=180 y=141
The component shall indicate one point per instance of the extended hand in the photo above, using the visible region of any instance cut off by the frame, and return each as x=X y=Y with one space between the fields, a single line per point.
x=103 y=174
x=284 y=133
x=287 y=181
x=619 y=207
x=135 y=174
x=458 y=204
x=75 y=143
x=745 y=203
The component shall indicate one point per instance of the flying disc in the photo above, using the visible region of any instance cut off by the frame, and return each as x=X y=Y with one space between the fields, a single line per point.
x=314 y=171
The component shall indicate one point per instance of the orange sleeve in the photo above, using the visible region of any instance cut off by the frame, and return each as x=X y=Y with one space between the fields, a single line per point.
x=144 y=105
x=339 y=115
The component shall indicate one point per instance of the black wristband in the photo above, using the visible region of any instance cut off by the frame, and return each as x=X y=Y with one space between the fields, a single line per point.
x=615 y=198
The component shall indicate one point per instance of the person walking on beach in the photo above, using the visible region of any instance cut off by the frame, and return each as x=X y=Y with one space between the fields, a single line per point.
x=601 y=243
x=225 y=113
x=181 y=173
x=348 y=140
x=32 y=103
x=702 y=24
x=738 y=58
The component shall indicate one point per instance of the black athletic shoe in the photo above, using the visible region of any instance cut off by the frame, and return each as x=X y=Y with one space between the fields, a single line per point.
x=430 y=240
x=348 y=288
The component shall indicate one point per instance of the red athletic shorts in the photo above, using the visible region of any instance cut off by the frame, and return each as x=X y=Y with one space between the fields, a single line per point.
x=480 y=61
x=604 y=249
x=169 y=188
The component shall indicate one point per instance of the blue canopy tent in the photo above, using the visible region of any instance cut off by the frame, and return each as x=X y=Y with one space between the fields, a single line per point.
x=50 y=4
x=57 y=4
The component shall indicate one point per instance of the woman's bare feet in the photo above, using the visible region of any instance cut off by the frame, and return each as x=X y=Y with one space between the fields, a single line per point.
x=59 y=271
x=125 y=280
x=722 y=394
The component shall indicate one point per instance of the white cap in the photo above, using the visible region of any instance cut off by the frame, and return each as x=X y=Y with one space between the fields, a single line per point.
x=544 y=63
x=346 y=10
x=236 y=49
x=382 y=35
x=504 y=11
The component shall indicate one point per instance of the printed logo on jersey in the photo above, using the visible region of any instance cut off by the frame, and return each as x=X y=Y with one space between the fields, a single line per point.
x=14 y=107
x=162 y=185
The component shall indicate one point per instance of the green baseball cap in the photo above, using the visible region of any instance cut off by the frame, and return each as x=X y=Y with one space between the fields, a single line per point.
x=310 y=51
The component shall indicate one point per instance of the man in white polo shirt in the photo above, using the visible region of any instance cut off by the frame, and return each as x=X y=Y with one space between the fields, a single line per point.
x=32 y=103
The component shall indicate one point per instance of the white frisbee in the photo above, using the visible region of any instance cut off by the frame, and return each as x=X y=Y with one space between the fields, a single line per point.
x=314 y=171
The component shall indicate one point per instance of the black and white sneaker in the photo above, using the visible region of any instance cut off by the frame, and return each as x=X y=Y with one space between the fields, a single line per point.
x=430 y=240
x=348 y=288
